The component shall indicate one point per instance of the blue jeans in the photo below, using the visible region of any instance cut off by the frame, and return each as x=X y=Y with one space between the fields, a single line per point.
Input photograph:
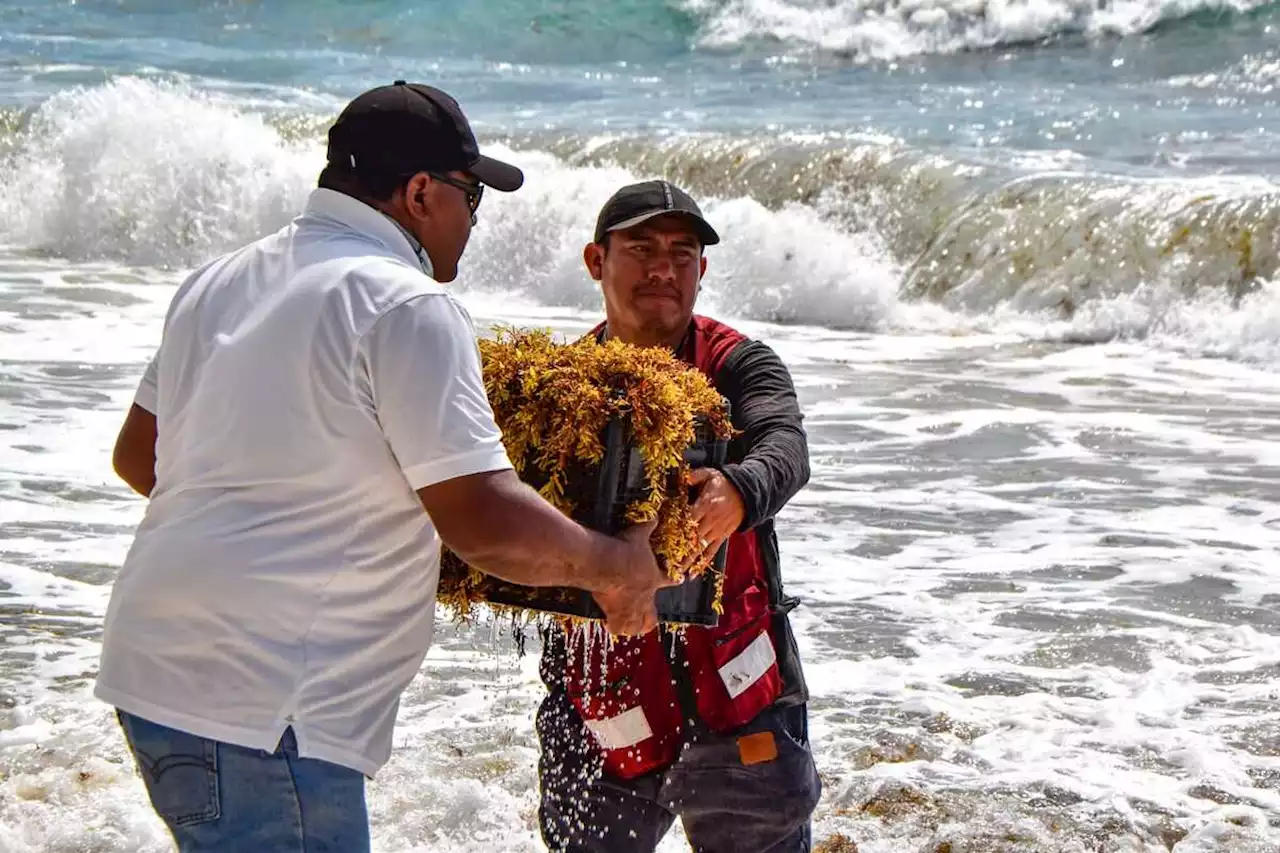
x=724 y=805
x=220 y=798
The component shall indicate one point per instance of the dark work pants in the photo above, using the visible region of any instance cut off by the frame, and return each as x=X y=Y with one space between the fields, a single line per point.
x=724 y=805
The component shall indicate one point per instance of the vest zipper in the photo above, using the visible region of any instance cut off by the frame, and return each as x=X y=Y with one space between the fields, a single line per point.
x=738 y=632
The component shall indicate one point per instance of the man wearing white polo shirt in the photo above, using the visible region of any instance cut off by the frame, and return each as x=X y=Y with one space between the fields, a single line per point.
x=312 y=394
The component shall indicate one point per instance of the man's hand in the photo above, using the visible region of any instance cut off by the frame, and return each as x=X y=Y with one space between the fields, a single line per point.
x=718 y=511
x=628 y=604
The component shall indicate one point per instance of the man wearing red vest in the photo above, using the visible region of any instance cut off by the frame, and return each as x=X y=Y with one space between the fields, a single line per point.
x=708 y=724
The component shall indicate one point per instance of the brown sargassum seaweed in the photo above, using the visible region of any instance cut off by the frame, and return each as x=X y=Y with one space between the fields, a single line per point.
x=553 y=402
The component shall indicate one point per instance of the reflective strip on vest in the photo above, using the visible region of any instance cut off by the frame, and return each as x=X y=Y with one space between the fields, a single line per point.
x=750 y=666
x=626 y=729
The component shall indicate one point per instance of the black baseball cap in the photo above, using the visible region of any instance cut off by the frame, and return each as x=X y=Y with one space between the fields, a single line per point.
x=636 y=203
x=406 y=128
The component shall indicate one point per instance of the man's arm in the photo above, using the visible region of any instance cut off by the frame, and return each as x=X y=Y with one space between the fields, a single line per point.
x=421 y=379
x=134 y=455
x=501 y=526
x=775 y=464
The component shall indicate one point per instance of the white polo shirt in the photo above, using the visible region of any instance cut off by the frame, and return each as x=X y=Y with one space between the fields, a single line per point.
x=285 y=571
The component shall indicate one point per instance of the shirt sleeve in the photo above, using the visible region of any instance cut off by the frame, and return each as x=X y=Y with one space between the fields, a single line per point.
x=424 y=383
x=147 y=394
x=772 y=450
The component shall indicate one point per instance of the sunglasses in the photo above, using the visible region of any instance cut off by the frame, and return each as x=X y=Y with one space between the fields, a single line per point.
x=474 y=191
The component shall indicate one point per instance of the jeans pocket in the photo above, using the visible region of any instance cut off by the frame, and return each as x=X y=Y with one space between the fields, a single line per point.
x=180 y=770
x=794 y=723
x=800 y=780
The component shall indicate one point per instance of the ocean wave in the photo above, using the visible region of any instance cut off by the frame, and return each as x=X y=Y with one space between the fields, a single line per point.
x=1211 y=324
x=307 y=38
x=1251 y=75
x=975 y=236
x=146 y=172
x=890 y=29
x=863 y=234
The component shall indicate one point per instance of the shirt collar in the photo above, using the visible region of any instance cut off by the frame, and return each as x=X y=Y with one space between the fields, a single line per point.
x=683 y=350
x=358 y=216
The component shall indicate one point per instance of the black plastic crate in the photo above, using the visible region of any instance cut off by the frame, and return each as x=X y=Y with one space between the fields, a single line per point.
x=601 y=494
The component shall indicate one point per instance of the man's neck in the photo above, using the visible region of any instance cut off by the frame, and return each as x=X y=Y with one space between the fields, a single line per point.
x=645 y=338
x=424 y=260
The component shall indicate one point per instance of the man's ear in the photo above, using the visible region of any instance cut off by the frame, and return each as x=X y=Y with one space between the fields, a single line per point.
x=418 y=192
x=593 y=257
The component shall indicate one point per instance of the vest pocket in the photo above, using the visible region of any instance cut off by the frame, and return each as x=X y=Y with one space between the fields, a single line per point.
x=738 y=672
x=744 y=669
x=622 y=731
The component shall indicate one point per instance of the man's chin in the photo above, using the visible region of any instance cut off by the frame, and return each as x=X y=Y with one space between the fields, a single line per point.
x=666 y=323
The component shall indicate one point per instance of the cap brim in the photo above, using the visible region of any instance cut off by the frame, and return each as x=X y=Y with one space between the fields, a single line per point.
x=705 y=232
x=503 y=177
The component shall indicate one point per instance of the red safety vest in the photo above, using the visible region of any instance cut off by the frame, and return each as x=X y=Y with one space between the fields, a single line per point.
x=632 y=695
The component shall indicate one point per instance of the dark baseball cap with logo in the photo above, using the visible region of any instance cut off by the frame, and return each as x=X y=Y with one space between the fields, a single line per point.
x=407 y=128
x=636 y=203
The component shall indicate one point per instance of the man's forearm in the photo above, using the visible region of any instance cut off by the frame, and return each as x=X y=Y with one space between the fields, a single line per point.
x=771 y=475
x=533 y=544
x=511 y=533
x=775 y=464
